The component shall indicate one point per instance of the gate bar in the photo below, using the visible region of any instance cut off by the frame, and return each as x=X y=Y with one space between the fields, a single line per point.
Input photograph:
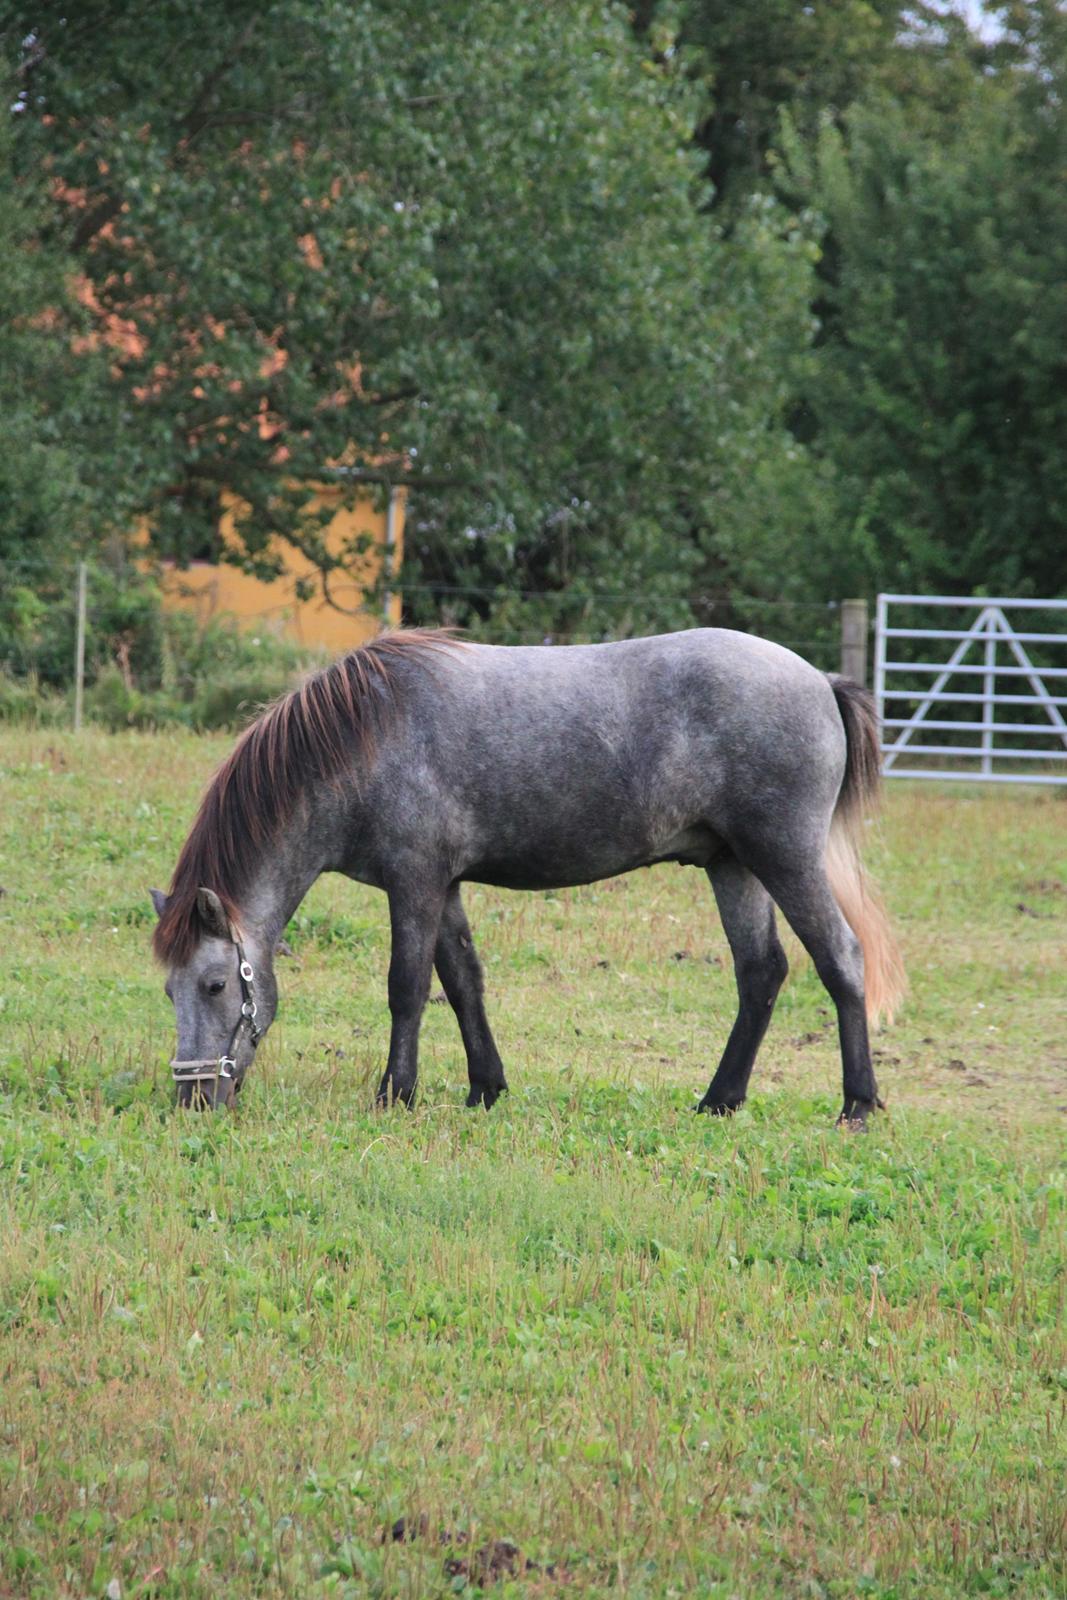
x=969 y=633
x=975 y=699
x=974 y=752
x=957 y=666
x=974 y=777
x=977 y=601
x=975 y=727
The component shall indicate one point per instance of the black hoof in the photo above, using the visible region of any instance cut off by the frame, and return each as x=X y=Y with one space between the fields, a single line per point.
x=854 y=1114
x=388 y=1096
x=486 y=1094
x=718 y=1108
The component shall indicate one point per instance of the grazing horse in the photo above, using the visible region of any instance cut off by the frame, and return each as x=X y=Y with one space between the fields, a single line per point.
x=418 y=763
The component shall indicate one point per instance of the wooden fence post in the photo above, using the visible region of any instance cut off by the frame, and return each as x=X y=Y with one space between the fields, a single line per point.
x=854 y=640
x=79 y=650
x=389 y=556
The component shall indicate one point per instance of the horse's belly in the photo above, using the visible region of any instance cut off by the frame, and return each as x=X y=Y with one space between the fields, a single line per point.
x=562 y=869
x=693 y=847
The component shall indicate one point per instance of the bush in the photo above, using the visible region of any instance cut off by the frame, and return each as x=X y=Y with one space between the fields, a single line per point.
x=27 y=702
x=220 y=676
x=164 y=669
x=221 y=673
x=116 y=705
x=234 y=701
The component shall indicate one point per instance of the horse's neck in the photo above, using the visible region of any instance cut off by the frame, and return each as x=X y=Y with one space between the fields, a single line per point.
x=289 y=867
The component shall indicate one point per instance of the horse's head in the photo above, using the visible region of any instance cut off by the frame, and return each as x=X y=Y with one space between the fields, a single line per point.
x=224 y=999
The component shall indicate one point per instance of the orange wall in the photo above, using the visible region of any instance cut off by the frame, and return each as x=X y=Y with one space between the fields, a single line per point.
x=210 y=591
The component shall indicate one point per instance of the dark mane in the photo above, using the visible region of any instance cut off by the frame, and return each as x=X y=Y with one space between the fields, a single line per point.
x=311 y=735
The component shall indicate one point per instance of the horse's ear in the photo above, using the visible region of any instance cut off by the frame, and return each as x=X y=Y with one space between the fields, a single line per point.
x=212 y=914
x=159 y=900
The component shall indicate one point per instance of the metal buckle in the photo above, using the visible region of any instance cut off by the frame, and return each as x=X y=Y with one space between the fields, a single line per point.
x=246 y=972
x=193 y=1071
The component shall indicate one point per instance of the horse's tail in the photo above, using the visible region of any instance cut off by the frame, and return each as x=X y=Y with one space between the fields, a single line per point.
x=858 y=898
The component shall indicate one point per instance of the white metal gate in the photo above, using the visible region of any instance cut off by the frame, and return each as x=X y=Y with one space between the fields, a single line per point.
x=963 y=694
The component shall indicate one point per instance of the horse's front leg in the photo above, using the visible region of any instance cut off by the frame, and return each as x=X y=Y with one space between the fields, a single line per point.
x=415 y=908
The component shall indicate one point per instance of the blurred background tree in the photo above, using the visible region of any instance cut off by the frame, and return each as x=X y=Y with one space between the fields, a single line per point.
x=464 y=245
x=938 y=393
x=926 y=155
x=665 y=313
x=49 y=395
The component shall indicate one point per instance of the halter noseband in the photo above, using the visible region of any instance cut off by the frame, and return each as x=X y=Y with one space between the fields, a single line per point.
x=224 y=1066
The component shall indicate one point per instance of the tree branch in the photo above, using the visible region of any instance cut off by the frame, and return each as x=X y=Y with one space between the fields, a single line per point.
x=95 y=218
x=193 y=123
x=196 y=117
x=410 y=393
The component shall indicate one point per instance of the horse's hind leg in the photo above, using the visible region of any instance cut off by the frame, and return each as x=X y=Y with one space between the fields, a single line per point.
x=807 y=901
x=747 y=913
x=460 y=972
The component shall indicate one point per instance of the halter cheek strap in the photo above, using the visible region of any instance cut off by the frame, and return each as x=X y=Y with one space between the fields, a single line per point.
x=224 y=1066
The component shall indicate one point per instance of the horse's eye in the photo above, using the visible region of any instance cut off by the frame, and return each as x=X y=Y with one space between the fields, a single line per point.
x=216 y=986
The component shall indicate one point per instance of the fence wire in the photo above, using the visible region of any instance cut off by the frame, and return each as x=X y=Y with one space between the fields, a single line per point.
x=39 y=619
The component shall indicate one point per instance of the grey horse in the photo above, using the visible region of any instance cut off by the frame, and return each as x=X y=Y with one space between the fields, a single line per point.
x=420 y=762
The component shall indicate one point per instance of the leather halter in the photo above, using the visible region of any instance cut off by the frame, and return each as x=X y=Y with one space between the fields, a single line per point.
x=224 y=1066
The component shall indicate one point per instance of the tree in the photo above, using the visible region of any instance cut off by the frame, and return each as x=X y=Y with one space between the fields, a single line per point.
x=51 y=394
x=750 y=64
x=927 y=159
x=939 y=392
x=458 y=245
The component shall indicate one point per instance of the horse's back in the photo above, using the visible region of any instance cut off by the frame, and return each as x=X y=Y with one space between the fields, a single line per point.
x=735 y=697
x=566 y=763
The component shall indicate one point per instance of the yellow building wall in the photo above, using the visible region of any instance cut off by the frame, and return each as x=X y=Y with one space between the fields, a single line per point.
x=211 y=591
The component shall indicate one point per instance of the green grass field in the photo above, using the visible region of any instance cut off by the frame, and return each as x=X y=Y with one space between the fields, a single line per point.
x=585 y=1343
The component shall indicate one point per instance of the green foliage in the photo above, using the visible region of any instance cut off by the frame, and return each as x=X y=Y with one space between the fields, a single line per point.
x=928 y=160
x=748 y=65
x=145 y=668
x=938 y=389
x=477 y=241
x=45 y=478
x=750 y=62
x=665 y=314
x=220 y=675
x=25 y=701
